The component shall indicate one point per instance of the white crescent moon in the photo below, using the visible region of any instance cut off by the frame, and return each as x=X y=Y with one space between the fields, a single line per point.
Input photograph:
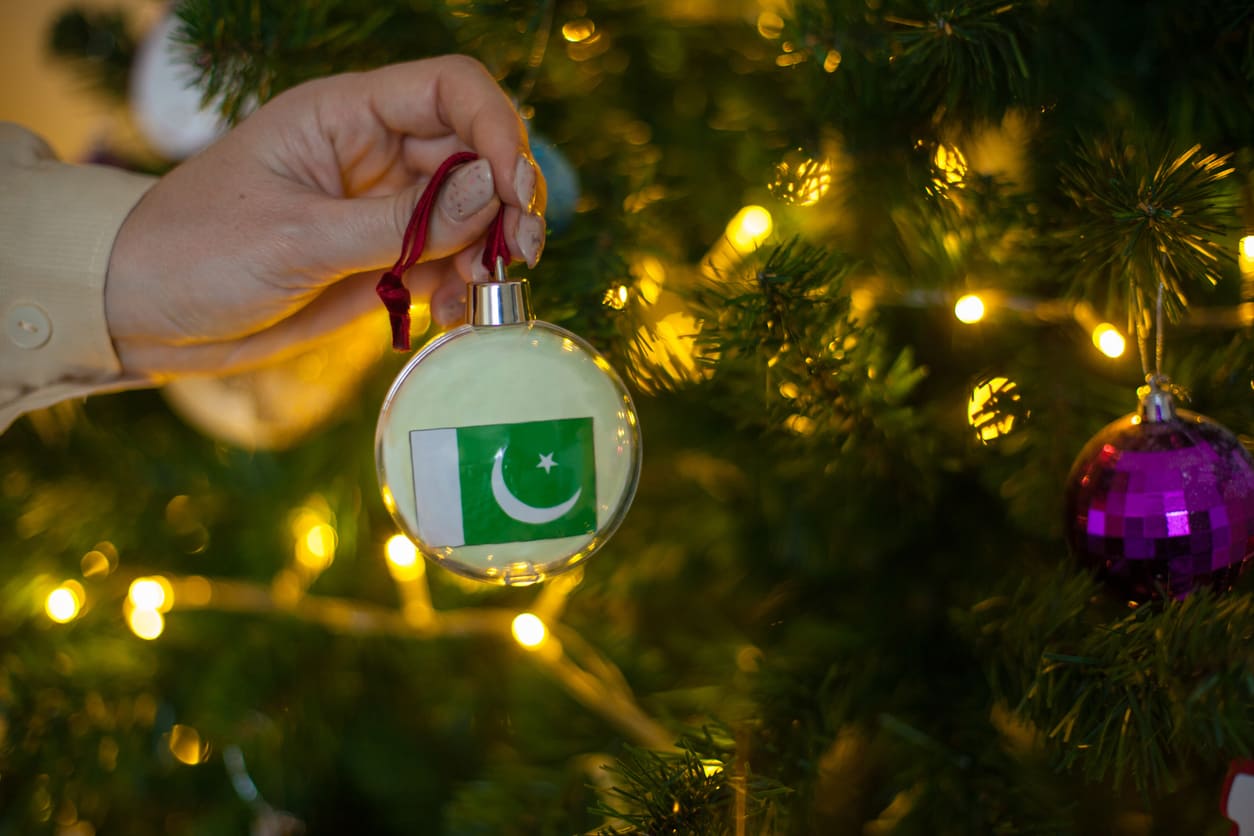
x=515 y=508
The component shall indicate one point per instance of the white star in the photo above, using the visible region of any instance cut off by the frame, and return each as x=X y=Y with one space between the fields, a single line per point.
x=546 y=461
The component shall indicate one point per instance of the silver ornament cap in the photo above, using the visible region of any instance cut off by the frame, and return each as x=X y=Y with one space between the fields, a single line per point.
x=1157 y=406
x=503 y=301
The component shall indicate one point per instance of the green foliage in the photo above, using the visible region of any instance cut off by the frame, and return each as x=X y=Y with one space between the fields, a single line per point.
x=822 y=554
x=691 y=792
x=1147 y=222
x=1123 y=698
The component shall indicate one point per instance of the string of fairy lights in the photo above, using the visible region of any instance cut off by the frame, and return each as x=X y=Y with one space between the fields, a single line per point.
x=577 y=666
x=668 y=346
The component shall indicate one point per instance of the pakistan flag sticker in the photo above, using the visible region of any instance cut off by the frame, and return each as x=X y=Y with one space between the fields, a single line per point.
x=505 y=483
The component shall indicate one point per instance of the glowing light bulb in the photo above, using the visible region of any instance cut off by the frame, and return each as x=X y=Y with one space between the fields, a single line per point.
x=529 y=630
x=185 y=744
x=1247 y=246
x=991 y=423
x=1108 y=340
x=402 y=557
x=951 y=166
x=749 y=227
x=145 y=623
x=316 y=549
x=152 y=593
x=615 y=297
x=64 y=603
x=578 y=30
x=969 y=309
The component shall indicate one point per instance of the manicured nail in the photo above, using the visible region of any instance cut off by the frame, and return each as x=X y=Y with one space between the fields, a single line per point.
x=525 y=182
x=531 y=238
x=468 y=190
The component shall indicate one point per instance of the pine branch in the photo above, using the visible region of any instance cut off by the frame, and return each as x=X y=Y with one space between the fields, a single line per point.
x=1130 y=698
x=704 y=790
x=790 y=325
x=1142 y=224
x=953 y=53
x=248 y=51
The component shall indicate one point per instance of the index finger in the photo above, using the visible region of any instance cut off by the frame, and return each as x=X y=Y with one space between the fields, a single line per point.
x=451 y=93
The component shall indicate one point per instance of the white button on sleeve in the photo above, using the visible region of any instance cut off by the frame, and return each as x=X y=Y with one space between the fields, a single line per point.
x=27 y=326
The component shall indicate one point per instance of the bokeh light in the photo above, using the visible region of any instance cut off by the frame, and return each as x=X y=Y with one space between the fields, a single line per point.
x=402 y=557
x=146 y=623
x=1109 y=341
x=529 y=631
x=985 y=408
x=801 y=181
x=749 y=227
x=969 y=309
x=951 y=166
x=153 y=593
x=186 y=745
x=64 y=603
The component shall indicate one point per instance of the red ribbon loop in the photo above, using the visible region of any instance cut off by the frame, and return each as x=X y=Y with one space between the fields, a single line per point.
x=391 y=286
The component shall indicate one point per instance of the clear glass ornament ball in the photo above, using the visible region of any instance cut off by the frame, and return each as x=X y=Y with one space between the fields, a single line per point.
x=508 y=453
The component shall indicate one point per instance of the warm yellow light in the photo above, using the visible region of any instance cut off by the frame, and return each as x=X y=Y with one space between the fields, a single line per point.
x=145 y=623
x=1108 y=340
x=770 y=25
x=832 y=61
x=402 y=557
x=802 y=182
x=316 y=549
x=969 y=309
x=529 y=631
x=578 y=30
x=95 y=564
x=987 y=425
x=799 y=424
x=750 y=227
x=1247 y=246
x=152 y=593
x=185 y=744
x=650 y=276
x=615 y=297
x=65 y=602
x=951 y=166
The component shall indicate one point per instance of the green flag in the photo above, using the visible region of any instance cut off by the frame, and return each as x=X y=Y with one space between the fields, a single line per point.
x=505 y=483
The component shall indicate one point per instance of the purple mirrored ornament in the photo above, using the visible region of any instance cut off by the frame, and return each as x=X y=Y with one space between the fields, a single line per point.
x=1162 y=500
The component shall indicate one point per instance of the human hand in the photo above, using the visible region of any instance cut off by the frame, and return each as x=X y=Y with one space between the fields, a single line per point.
x=277 y=233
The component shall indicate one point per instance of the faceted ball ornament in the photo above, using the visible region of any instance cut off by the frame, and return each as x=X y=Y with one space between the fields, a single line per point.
x=508 y=453
x=1162 y=504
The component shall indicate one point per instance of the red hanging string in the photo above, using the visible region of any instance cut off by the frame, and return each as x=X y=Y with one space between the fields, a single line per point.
x=391 y=287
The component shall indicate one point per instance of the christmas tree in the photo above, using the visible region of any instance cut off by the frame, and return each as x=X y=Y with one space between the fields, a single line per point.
x=875 y=272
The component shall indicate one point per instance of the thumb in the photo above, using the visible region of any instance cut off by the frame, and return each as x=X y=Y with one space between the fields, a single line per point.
x=368 y=232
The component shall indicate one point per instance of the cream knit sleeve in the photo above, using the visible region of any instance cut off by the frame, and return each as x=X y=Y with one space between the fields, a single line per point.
x=57 y=227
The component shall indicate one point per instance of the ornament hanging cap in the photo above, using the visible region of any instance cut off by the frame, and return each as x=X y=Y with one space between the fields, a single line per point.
x=391 y=286
x=1157 y=405
x=500 y=302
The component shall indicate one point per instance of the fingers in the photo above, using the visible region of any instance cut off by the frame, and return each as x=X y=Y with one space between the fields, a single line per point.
x=456 y=93
x=368 y=232
x=452 y=93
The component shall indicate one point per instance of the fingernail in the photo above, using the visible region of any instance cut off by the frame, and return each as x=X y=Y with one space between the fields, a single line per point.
x=525 y=182
x=531 y=238
x=479 y=273
x=468 y=190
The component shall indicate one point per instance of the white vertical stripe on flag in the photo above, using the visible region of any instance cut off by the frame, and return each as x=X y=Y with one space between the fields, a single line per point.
x=437 y=487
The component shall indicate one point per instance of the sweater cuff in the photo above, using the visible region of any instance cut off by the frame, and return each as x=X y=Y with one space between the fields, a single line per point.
x=58 y=223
